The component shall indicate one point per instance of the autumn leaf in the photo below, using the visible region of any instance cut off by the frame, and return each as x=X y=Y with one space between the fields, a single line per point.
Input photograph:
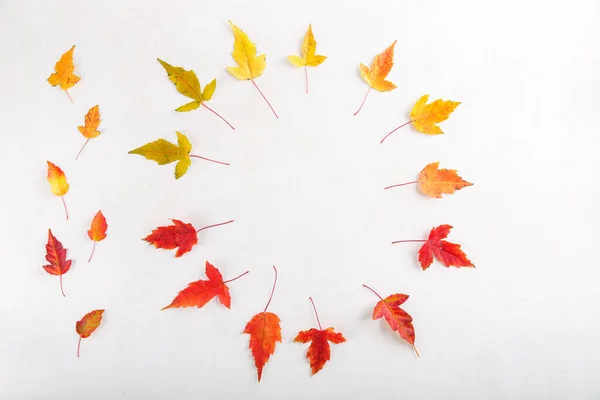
x=58 y=183
x=375 y=76
x=87 y=325
x=424 y=117
x=265 y=332
x=97 y=231
x=434 y=182
x=64 y=75
x=180 y=235
x=308 y=59
x=398 y=319
x=198 y=293
x=249 y=66
x=164 y=152
x=319 y=351
x=187 y=83
x=90 y=129
x=56 y=255
x=449 y=254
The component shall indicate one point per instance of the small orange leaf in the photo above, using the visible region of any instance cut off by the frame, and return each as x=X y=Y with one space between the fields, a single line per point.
x=58 y=183
x=433 y=181
x=56 y=255
x=425 y=116
x=87 y=325
x=97 y=231
x=375 y=76
x=90 y=129
x=64 y=75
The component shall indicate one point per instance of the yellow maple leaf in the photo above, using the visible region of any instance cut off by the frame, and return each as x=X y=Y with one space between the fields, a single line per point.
x=165 y=152
x=434 y=182
x=308 y=59
x=64 y=75
x=375 y=76
x=58 y=183
x=249 y=65
x=90 y=129
x=425 y=116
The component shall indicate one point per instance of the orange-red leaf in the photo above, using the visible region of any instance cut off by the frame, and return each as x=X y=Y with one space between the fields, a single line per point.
x=446 y=252
x=198 y=293
x=434 y=182
x=380 y=68
x=88 y=324
x=56 y=255
x=398 y=319
x=265 y=332
x=180 y=235
x=319 y=351
x=97 y=231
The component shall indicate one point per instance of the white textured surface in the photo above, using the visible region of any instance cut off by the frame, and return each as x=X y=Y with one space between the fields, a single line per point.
x=306 y=193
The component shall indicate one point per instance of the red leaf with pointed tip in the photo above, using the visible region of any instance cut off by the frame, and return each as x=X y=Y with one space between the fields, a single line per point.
x=265 y=332
x=319 y=351
x=180 y=235
x=87 y=325
x=56 y=255
x=398 y=319
x=449 y=254
x=198 y=293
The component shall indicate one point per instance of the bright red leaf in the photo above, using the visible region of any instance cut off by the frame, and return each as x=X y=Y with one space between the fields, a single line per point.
x=319 y=351
x=265 y=332
x=87 y=325
x=198 y=293
x=56 y=255
x=180 y=235
x=398 y=319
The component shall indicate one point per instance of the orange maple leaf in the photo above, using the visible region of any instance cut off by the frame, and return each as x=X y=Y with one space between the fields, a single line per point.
x=87 y=325
x=319 y=351
x=449 y=254
x=265 y=332
x=58 y=183
x=56 y=255
x=198 y=293
x=375 y=76
x=64 y=75
x=398 y=319
x=97 y=231
x=180 y=235
x=90 y=128
x=434 y=182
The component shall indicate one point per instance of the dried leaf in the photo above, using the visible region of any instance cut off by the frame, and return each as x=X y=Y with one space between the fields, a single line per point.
x=398 y=319
x=434 y=182
x=449 y=254
x=58 y=183
x=64 y=75
x=92 y=120
x=244 y=53
x=87 y=325
x=380 y=68
x=309 y=47
x=56 y=255
x=425 y=116
x=164 y=152
x=188 y=85
x=97 y=231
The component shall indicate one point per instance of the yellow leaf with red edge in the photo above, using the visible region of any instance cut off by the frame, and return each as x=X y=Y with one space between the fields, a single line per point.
x=425 y=116
x=87 y=325
x=58 y=183
x=380 y=68
x=249 y=66
x=434 y=182
x=97 y=231
x=63 y=74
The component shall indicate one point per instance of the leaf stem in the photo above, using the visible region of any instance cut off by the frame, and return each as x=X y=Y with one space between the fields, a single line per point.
x=61 y=286
x=69 y=96
x=401 y=184
x=93 y=248
x=263 y=96
x=78 y=346
x=409 y=241
x=212 y=226
x=208 y=159
x=306 y=77
x=237 y=277
x=406 y=123
x=376 y=294
x=316 y=314
x=218 y=115
x=272 y=290
x=65 y=206
x=82 y=147
x=363 y=102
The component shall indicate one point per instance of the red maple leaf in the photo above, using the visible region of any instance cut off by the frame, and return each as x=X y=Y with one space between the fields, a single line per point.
x=319 y=351
x=56 y=255
x=449 y=254
x=198 y=293
x=180 y=235
x=398 y=319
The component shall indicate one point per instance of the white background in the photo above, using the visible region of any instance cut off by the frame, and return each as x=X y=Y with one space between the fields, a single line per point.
x=307 y=195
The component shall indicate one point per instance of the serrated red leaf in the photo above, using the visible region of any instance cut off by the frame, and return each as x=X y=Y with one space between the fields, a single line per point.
x=56 y=255
x=87 y=325
x=198 y=293
x=449 y=254
x=180 y=235
x=319 y=351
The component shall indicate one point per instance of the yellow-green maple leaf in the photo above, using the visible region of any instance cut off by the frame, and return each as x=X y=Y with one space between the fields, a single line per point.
x=165 y=152
x=187 y=84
